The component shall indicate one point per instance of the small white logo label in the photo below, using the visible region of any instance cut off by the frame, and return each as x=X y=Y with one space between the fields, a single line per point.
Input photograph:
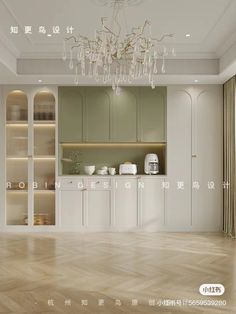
x=212 y=289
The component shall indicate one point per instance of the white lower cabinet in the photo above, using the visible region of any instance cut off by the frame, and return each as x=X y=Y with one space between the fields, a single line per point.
x=71 y=209
x=152 y=206
x=98 y=209
x=126 y=204
x=118 y=204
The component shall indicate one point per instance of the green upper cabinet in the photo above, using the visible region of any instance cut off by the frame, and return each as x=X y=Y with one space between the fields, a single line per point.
x=70 y=100
x=124 y=116
x=97 y=115
x=152 y=114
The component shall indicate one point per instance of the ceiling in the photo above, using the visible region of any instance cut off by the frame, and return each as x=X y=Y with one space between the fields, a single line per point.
x=210 y=48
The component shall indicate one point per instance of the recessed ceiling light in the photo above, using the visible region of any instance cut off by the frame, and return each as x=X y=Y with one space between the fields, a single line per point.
x=187 y=35
x=49 y=35
x=40 y=81
x=195 y=81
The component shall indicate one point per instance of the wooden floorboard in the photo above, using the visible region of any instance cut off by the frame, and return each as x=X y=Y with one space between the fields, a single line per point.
x=36 y=268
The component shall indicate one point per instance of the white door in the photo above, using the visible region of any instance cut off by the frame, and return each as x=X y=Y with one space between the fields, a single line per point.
x=195 y=157
x=178 y=196
x=151 y=199
x=71 y=209
x=126 y=205
x=207 y=162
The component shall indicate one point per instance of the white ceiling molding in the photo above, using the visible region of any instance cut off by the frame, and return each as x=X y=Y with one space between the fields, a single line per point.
x=228 y=60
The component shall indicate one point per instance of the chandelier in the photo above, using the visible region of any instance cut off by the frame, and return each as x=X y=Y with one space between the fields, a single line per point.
x=116 y=58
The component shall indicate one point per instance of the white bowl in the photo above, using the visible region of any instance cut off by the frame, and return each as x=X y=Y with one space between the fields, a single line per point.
x=89 y=170
x=102 y=172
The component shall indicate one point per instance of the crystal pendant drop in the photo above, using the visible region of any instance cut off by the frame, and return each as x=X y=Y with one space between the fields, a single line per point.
x=76 y=80
x=163 y=69
x=113 y=85
x=71 y=64
x=76 y=76
x=64 y=51
x=118 y=91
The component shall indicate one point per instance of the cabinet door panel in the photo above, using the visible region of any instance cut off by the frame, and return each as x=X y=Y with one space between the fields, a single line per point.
x=207 y=145
x=71 y=208
x=153 y=114
x=97 y=115
x=98 y=203
x=70 y=103
x=126 y=205
x=178 y=201
x=124 y=116
x=152 y=204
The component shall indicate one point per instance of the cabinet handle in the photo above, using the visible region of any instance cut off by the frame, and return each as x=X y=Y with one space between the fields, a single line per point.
x=194 y=156
x=97 y=182
x=84 y=189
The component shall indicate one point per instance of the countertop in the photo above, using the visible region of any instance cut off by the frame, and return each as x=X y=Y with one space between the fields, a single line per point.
x=114 y=176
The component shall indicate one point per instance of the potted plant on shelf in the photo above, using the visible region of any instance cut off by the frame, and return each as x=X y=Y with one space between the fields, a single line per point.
x=74 y=156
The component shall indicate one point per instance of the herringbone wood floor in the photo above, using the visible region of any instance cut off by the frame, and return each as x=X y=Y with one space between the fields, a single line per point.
x=35 y=268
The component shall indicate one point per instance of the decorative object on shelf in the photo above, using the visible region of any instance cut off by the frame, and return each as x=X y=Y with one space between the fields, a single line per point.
x=103 y=171
x=39 y=219
x=89 y=170
x=44 y=112
x=51 y=182
x=74 y=157
x=128 y=168
x=112 y=171
x=116 y=57
x=76 y=168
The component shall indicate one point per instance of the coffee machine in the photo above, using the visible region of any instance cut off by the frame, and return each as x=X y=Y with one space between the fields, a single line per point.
x=151 y=164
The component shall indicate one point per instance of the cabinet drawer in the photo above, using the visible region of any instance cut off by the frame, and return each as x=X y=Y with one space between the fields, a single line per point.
x=99 y=184
x=71 y=184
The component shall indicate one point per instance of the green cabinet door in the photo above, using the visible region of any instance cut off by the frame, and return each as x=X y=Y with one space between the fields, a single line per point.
x=97 y=115
x=152 y=117
x=70 y=102
x=124 y=116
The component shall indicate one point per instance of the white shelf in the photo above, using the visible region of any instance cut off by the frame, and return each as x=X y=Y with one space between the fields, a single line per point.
x=45 y=157
x=17 y=123
x=17 y=157
x=44 y=123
